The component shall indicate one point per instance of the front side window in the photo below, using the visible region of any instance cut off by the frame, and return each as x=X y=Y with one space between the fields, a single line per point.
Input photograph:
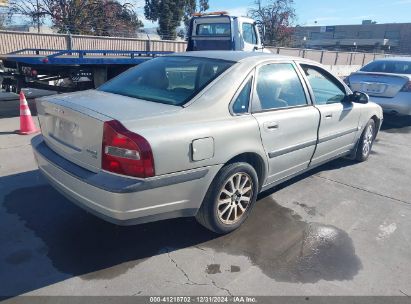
x=278 y=86
x=326 y=89
x=242 y=101
x=249 y=33
x=171 y=80
x=213 y=29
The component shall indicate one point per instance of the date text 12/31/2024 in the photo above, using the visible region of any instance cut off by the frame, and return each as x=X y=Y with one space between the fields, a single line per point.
x=204 y=299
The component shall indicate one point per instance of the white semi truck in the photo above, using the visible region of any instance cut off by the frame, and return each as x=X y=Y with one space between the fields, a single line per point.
x=220 y=31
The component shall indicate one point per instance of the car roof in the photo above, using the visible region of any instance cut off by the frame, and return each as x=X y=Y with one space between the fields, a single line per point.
x=238 y=56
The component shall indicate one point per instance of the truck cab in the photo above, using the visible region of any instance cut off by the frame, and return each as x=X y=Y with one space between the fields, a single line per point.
x=220 y=31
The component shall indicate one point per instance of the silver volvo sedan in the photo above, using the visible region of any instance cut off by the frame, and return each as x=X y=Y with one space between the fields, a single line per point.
x=199 y=134
x=388 y=82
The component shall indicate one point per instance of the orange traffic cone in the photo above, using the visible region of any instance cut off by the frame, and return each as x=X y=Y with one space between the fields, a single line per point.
x=27 y=125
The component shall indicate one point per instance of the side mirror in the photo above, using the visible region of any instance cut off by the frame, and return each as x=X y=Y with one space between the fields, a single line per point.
x=358 y=97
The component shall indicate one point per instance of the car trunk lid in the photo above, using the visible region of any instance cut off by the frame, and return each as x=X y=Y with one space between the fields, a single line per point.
x=378 y=84
x=72 y=124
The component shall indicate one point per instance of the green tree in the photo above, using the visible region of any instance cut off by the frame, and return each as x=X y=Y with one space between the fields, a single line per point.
x=193 y=6
x=72 y=16
x=170 y=14
x=114 y=18
x=34 y=10
x=276 y=18
x=93 y=17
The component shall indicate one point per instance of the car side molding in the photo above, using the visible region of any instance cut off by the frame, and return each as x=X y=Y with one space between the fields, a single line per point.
x=292 y=148
x=336 y=135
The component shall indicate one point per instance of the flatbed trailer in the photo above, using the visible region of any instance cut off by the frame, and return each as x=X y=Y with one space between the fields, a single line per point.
x=67 y=70
x=73 y=70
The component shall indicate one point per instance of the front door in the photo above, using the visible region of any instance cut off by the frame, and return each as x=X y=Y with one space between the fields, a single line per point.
x=287 y=120
x=339 y=119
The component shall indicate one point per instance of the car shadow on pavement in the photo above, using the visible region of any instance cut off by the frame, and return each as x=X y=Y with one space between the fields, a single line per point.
x=45 y=239
x=396 y=124
x=332 y=165
x=8 y=132
x=38 y=226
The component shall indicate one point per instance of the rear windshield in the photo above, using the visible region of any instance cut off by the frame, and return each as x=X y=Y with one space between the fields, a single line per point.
x=389 y=66
x=214 y=29
x=171 y=80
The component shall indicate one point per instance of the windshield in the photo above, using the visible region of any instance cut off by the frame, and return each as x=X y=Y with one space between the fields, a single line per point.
x=171 y=80
x=388 y=66
x=214 y=29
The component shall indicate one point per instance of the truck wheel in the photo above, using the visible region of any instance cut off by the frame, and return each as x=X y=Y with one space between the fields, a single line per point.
x=230 y=198
x=366 y=141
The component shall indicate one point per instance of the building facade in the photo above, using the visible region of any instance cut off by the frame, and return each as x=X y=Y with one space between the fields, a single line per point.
x=368 y=36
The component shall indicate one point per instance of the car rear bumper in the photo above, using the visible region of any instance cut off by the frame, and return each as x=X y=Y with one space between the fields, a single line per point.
x=400 y=104
x=123 y=200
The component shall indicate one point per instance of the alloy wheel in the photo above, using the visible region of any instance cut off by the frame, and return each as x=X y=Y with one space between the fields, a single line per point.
x=234 y=198
x=367 y=141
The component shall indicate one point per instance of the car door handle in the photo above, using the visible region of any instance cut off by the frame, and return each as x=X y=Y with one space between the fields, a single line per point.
x=328 y=116
x=271 y=126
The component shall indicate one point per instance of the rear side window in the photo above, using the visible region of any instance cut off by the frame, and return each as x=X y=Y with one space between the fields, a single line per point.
x=388 y=66
x=242 y=101
x=278 y=86
x=171 y=80
x=326 y=89
x=249 y=34
x=213 y=29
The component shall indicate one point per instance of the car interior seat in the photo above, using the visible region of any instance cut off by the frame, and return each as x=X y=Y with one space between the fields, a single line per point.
x=269 y=95
x=157 y=79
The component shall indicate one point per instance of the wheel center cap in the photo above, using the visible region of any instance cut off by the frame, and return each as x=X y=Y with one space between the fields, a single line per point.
x=236 y=197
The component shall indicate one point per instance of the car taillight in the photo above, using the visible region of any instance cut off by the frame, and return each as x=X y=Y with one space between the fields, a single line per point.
x=406 y=87
x=125 y=152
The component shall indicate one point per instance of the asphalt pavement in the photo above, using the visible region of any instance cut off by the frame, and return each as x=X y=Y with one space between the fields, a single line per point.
x=341 y=229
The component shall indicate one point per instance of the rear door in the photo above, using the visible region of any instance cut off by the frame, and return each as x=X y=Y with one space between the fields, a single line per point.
x=288 y=122
x=339 y=118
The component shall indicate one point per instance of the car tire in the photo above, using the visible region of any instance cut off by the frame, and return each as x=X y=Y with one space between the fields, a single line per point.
x=366 y=141
x=229 y=199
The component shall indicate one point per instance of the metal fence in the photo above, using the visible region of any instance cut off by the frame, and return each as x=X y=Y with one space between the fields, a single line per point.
x=331 y=57
x=12 y=41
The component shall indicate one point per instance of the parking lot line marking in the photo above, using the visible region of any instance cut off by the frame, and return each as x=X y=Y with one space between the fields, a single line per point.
x=365 y=190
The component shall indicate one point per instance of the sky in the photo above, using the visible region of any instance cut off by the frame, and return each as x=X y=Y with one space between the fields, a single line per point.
x=326 y=12
x=316 y=12
x=332 y=12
